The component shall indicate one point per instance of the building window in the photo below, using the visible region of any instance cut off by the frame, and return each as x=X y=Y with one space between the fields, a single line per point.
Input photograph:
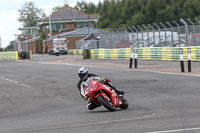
x=63 y=26
x=56 y=27
x=76 y=26
x=81 y=25
x=27 y=32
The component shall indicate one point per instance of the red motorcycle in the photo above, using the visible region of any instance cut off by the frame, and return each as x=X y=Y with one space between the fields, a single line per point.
x=104 y=95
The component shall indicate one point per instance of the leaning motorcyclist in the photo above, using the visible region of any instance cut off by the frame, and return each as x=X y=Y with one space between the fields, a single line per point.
x=83 y=75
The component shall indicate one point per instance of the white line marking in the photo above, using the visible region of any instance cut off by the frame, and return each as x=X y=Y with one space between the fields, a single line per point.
x=16 y=82
x=177 y=130
x=25 y=85
x=104 y=122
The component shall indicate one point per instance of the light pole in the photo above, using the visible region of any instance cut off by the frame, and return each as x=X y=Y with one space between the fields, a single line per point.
x=50 y=25
x=86 y=12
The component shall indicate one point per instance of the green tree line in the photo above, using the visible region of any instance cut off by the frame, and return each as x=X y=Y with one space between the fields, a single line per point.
x=124 y=13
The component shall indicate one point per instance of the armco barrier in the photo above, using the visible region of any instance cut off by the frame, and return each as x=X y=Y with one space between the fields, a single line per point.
x=9 y=55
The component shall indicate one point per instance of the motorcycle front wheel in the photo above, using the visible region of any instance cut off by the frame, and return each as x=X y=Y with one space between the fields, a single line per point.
x=108 y=105
x=124 y=103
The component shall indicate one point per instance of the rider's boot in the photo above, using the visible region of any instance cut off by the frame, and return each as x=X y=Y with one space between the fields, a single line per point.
x=117 y=91
x=113 y=87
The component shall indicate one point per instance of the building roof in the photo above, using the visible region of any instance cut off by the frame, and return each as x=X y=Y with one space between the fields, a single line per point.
x=91 y=36
x=79 y=32
x=69 y=13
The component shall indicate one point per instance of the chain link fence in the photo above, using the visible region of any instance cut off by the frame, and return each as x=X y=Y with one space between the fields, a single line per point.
x=181 y=33
x=87 y=44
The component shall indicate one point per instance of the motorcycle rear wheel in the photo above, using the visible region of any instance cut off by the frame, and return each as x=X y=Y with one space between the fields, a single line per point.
x=108 y=105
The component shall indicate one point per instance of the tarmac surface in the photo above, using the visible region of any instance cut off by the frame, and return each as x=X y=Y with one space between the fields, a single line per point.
x=41 y=96
x=152 y=65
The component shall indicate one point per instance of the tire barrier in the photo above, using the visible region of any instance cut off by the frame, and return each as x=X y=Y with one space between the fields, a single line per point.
x=155 y=53
x=9 y=55
x=75 y=51
x=86 y=54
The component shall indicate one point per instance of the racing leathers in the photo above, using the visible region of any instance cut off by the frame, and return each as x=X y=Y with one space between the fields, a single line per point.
x=92 y=105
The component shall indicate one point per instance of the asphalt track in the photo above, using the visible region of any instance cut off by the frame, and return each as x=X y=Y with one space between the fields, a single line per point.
x=40 y=96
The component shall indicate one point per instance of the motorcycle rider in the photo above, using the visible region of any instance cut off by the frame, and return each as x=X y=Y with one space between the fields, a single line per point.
x=83 y=75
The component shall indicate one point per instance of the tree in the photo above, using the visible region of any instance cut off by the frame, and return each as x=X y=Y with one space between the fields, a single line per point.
x=10 y=47
x=29 y=15
x=151 y=11
x=138 y=19
x=42 y=37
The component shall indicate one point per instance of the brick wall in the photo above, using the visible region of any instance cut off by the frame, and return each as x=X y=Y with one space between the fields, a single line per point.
x=72 y=41
x=46 y=46
x=70 y=26
x=34 y=47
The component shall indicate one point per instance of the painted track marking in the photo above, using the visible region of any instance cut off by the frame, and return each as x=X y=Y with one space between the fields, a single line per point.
x=16 y=82
x=177 y=130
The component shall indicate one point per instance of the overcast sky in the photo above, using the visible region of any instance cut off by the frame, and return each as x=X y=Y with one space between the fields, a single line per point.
x=9 y=13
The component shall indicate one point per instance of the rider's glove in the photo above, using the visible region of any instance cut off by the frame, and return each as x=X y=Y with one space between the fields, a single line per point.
x=85 y=98
x=102 y=80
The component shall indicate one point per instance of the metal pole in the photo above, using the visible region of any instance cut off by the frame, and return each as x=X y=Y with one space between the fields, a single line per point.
x=181 y=60
x=137 y=34
x=147 y=33
x=153 y=34
x=165 y=32
x=186 y=30
x=142 y=35
x=193 y=28
x=159 y=31
x=178 y=32
x=131 y=58
x=172 y=36
x=135 y=60
x=189 y=60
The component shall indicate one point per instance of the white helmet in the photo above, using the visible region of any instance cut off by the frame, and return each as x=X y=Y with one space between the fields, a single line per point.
x=83 y=73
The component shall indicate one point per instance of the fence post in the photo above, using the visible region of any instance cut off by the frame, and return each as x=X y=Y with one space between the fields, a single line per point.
x=198 y=22
x=135 y=57
x=178 y=32
x=153 y=34
x=132 y=34
x=193 y=28
x=172 y=30
x=181 y=59
x=137 y=32
x=165 y=32
x=147 y=33
x=159 y=31
x=122 y=32
x=142 y=34
x=186 y=31
x=127 y=35
x=189 y=59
